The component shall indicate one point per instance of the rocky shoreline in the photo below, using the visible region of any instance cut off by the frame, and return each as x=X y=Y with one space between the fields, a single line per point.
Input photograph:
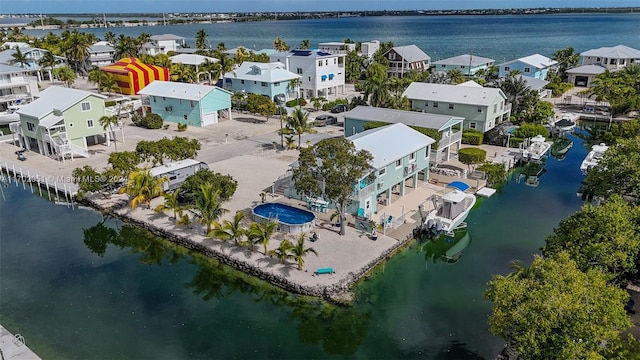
x=338 y=292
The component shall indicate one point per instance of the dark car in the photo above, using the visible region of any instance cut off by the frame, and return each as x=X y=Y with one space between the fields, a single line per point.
x=324 y=120
x=340 y=108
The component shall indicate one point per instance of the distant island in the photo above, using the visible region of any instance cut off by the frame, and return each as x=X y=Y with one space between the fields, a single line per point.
x=52 y=21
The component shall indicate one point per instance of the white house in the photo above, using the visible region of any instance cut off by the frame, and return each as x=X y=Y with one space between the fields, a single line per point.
x=369 y=48
x=162 y=44
x=467 y=64
x=16 y=86
x=321 y=74
x=336 y=47
x=535 y=66
x=100 y=54
x=582 y=76
x=611 y=58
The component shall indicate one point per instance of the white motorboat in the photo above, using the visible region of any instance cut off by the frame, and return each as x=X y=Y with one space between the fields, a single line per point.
x=450 y=211
x=537 y=149
x=10 y=115
x=593 y=157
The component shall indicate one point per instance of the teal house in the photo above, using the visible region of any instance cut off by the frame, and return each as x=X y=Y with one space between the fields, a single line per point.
x=445 y=129
x=191 y=104
x=268 y=79
x=400 y=159
x=61 y=122
x=536 y=66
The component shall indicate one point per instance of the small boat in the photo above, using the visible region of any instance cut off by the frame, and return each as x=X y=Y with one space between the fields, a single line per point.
x=10 y=115
x=565 y=124
x=450 y=212
x=561 y=147
x=537 y=150
x=593 y=157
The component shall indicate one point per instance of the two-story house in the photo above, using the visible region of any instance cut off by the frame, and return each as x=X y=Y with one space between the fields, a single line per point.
x=162 y=44
x=100 y=54
x=404 y=59
x=321 y=74
x=611 y=58
x=481 y=107
x=61 y=121
x=369 y=48
x=32 y=60
x=269 y=79
x=191 y=104
x=196 y=61
x=446 y=129
x=16 y=87
x=467 y=64
x=536 y=66
x=400 y=158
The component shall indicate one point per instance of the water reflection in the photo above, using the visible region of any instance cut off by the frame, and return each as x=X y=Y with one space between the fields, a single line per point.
x=444 y=248
x=339 y=330
x=560 y=147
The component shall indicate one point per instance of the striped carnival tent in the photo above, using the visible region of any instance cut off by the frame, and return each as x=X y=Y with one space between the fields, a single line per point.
x=133 y=75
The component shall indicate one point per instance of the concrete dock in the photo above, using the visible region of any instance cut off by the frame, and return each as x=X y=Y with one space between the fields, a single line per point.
x=14 y=347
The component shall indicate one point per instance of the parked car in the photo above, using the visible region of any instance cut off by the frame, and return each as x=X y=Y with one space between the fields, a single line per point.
x=340 y=108
x=324 y=120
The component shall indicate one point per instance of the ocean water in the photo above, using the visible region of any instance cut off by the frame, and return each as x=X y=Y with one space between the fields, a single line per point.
x=77 y=285
x=501 y=38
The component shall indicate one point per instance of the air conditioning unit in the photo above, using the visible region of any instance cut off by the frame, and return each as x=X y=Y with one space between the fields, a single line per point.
x=414 y=167
x=168 y=108
x=407 y=170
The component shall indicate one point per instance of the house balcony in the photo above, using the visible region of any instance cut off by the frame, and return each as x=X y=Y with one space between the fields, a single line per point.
x=101 y=57
x=446 y=141
x=363 y=193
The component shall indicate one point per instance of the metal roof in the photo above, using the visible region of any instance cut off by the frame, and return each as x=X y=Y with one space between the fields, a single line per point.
x=55 y=97
x=192 y=59
x=9 y=69
x=465 y=60
x=410 y=118
x=177 y=165
x=178 y=90
x=264 y=72
x=616 y=52
x=470 y=95
x=95 y=48
x=390 y=143
x=594 y=69
x=533 y=83
x=165 y=37
x=410 y=53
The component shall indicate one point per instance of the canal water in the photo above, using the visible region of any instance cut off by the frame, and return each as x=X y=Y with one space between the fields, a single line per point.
x=78 y=285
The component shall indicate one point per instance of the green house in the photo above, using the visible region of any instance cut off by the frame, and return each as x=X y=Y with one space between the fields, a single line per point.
x=61 y=122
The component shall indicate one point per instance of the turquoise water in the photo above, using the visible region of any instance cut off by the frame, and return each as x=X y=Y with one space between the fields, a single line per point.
x=284 y=213
x=501 y=38
x=78 y=286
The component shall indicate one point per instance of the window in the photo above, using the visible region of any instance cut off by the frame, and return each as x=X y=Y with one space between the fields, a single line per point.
x=86 y=106
x=89 y=123
x=31 y=126
x=435 y=104
x=255 y=82
x=299 y=71
x=319 y=62
x=398 y=163
x=184 y=117
x=263 y=84
x=479 y=109
x=335 y=61
x=612 y=61
x=164 y=98
x=309 y=78
x=451 y=106
x=241 y=81
x=326 y=62
x=412 y=156
x=276 y=84
x=154 y=98
x=462 y=66
x=472 y=125
x=382 y=172
x=193 y=103
x=598 y=59
x=426 y=152
x=443 y=66
x=392 y=55
x=621 y=62
x=527 y=69
x=180 y=101
x=495 y=107
x=507 y=68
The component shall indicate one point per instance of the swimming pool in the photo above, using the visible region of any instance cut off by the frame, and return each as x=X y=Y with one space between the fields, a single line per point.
x=290 y=219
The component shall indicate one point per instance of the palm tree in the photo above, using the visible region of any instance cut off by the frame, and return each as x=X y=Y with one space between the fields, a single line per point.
x=376 y=84
x=109 y=84
x=162 y=60
x=294 y=86
x=209 y=205
x=143 y=187
x=282 y=252
x=201 y=39
x=19 y=58
x=182 y=73
x=241 y=55
x=230 y=230
x=515 y=88
x=125 y=47
x=110 y=37
x=298 y=251
x=280 y=45
x=108 y=122
x=261 y=232
x=65 y=74
x=304 y=44
x=298 y=122
x=48 y=61
x=455 y=76
x=171 y=203
x=76 y=49
x=208 y=68
x=567 y=59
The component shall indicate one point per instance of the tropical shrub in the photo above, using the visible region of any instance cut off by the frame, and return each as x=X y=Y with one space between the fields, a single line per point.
x=471 y=156
x=182 y=127
x=527 y=130
x=151 y=121
x=296 y=102
x=472 y=137
x=329 y=105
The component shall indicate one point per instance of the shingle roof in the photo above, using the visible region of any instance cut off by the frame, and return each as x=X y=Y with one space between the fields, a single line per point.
x=390 y=143
x=411 y=53
x=410 y=118
x=55 y=97
x=178 y=90
x=616 y=52
x=269 y=72
x=587 y=69
x=465 y=60
x=470 y=95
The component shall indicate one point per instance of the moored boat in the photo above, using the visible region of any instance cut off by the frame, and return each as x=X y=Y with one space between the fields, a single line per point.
x=537 y=149
x=593 y=157
x=449 y=213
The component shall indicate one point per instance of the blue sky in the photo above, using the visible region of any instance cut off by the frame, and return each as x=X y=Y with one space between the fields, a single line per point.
x=157 y=6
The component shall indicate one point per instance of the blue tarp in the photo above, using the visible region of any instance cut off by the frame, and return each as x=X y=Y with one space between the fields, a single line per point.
x=459 y=185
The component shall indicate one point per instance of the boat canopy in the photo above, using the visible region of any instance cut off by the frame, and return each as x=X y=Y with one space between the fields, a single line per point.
x=454 y=196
